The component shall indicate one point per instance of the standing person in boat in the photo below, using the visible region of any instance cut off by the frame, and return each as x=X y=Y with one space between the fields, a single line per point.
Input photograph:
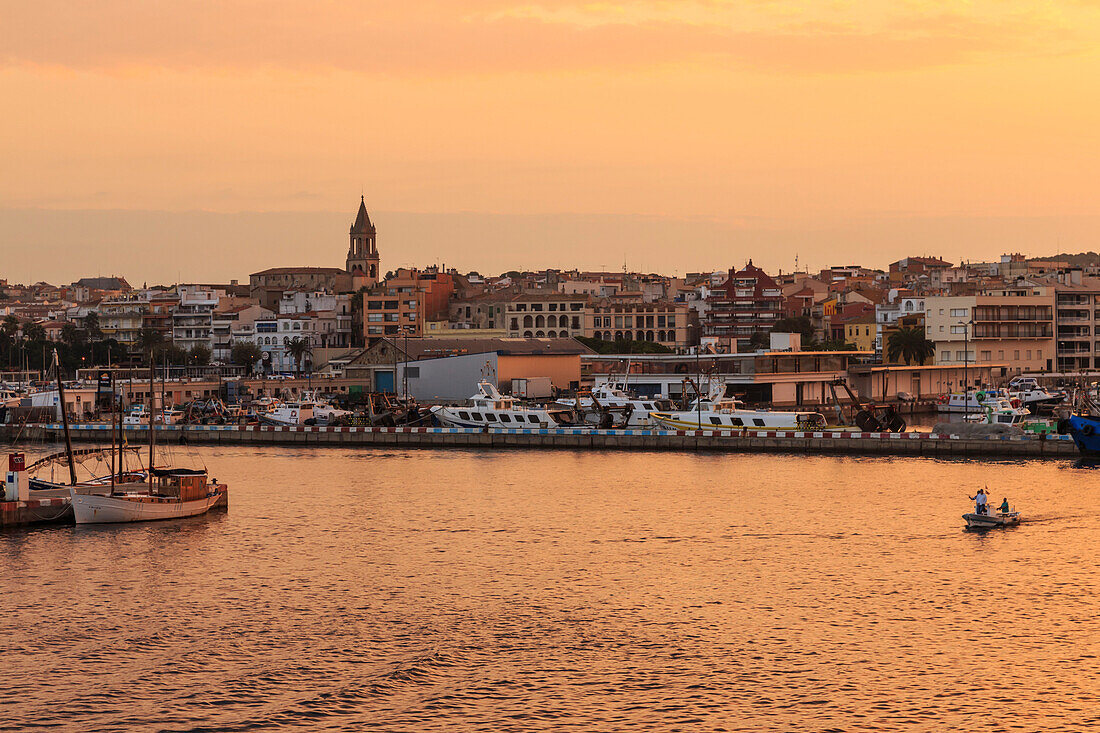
x=980 y=502
x=1003 y=508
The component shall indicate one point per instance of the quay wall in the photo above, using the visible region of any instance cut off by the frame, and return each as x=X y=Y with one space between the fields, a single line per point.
x=763 y=441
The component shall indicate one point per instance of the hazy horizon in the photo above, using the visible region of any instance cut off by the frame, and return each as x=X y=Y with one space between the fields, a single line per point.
x=683 y=134
x=190 y=246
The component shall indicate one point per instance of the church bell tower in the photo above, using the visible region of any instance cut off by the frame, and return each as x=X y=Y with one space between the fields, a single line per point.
x=363 y=250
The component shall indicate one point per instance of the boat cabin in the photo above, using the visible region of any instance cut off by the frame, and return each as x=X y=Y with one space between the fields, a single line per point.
x=182 y=483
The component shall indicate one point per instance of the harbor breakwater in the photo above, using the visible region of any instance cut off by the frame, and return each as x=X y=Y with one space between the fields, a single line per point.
x=764 y=441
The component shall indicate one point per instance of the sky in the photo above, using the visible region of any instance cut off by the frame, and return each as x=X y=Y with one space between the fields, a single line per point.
x=497 y=134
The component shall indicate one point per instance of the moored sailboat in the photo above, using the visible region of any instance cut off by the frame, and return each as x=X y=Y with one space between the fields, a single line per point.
x=164 y=493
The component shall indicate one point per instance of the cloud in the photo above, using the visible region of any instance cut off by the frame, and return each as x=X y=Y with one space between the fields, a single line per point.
x=492 y=36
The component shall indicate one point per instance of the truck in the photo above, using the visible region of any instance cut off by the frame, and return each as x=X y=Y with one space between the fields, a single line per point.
x=532 y=388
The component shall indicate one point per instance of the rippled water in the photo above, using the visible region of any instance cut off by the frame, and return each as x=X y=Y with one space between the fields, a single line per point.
x=417 y=590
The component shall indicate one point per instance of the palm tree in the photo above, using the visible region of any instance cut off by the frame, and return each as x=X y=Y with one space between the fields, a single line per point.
x=91 y=326
x=910 y=345
x=298 y=348
x=150 y=340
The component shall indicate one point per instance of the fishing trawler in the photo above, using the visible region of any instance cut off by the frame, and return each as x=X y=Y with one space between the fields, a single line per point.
x=610 y=402
x=714 y=411
x=489 y=408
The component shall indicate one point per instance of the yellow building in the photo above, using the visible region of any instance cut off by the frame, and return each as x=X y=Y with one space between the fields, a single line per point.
x=862 y=332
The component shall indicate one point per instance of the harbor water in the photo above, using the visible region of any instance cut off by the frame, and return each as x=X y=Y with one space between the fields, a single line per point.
x=421 y=590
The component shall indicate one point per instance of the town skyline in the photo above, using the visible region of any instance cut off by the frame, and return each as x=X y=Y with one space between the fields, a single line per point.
x=226 y=246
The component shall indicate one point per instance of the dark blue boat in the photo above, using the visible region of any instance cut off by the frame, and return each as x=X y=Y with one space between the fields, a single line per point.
x=1085 y=431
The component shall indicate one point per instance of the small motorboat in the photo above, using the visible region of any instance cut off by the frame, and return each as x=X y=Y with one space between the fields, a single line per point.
x=991 y=520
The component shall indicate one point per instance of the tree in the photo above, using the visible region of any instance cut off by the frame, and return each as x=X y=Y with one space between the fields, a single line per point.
x=759 y=340
x=71 y=335
x=299 y=348
x=175 y=355
x=199 y=355
x=910 y=345
x=10 y=326
x=796 y=324
x=92 y=330
x=150 y=340
x=245 y=354
x=34 y=332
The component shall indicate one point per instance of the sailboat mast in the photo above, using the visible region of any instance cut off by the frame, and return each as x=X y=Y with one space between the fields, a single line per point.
x=112 y=431
x=64 y=419
x=152 y=418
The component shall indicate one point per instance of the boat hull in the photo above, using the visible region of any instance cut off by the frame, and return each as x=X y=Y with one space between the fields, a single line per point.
x=991 y=521
x=93 y=509
x=1085 y=432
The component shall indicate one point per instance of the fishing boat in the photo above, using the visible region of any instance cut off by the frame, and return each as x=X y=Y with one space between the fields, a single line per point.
x=489 y=408
x=992 y=520
x=324 y=412
x=714 y=411
x=290 y=414
x=1030 y=395
x=610 y=402
x=154 y=493
x=171 y=493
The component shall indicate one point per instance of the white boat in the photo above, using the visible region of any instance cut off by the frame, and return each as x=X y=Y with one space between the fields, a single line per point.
x=631 y=412
x=324 y=411
x=489 y=408
x=999 y=410
x=1034 y=397
x=290 y=413
x=716 y=412
x=990 y=521
x=175 y=493
x=139 y=415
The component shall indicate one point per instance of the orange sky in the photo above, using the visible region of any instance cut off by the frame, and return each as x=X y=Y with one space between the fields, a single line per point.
x=794 y=113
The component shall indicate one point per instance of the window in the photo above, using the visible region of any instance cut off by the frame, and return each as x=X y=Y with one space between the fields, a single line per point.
x=505 y=417
x=412 y=372
x=958 y=329
x=1029 y=354
x=737 y=422
x=476 y=416
x=958 y=312
x=533 y=418
x=716 y=421
x=945 y=356
x=758 y=422
x=1017 y=355
x=987 y=355
x=464 y=415
x=490 y=417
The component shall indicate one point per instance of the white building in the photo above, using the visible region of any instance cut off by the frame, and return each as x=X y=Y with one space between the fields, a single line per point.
x=193 y=317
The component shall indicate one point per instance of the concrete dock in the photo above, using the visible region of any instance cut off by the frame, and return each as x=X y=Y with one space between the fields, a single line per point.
x=766 y=441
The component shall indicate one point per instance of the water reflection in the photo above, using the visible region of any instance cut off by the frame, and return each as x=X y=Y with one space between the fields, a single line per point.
x=420 y=590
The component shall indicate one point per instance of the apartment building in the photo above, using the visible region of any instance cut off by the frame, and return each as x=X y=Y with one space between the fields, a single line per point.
x=122 y=317
x=1077 y=322
x=545 y=315
x=1013 y=326
x=193 y=317
x=404 y=302
x=748 y=301
x=662 y=322
x=235 y=323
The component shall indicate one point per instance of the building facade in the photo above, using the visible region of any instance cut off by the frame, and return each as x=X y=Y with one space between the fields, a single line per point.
x=747 y=302
x=1013 y=327
x=662 y=322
